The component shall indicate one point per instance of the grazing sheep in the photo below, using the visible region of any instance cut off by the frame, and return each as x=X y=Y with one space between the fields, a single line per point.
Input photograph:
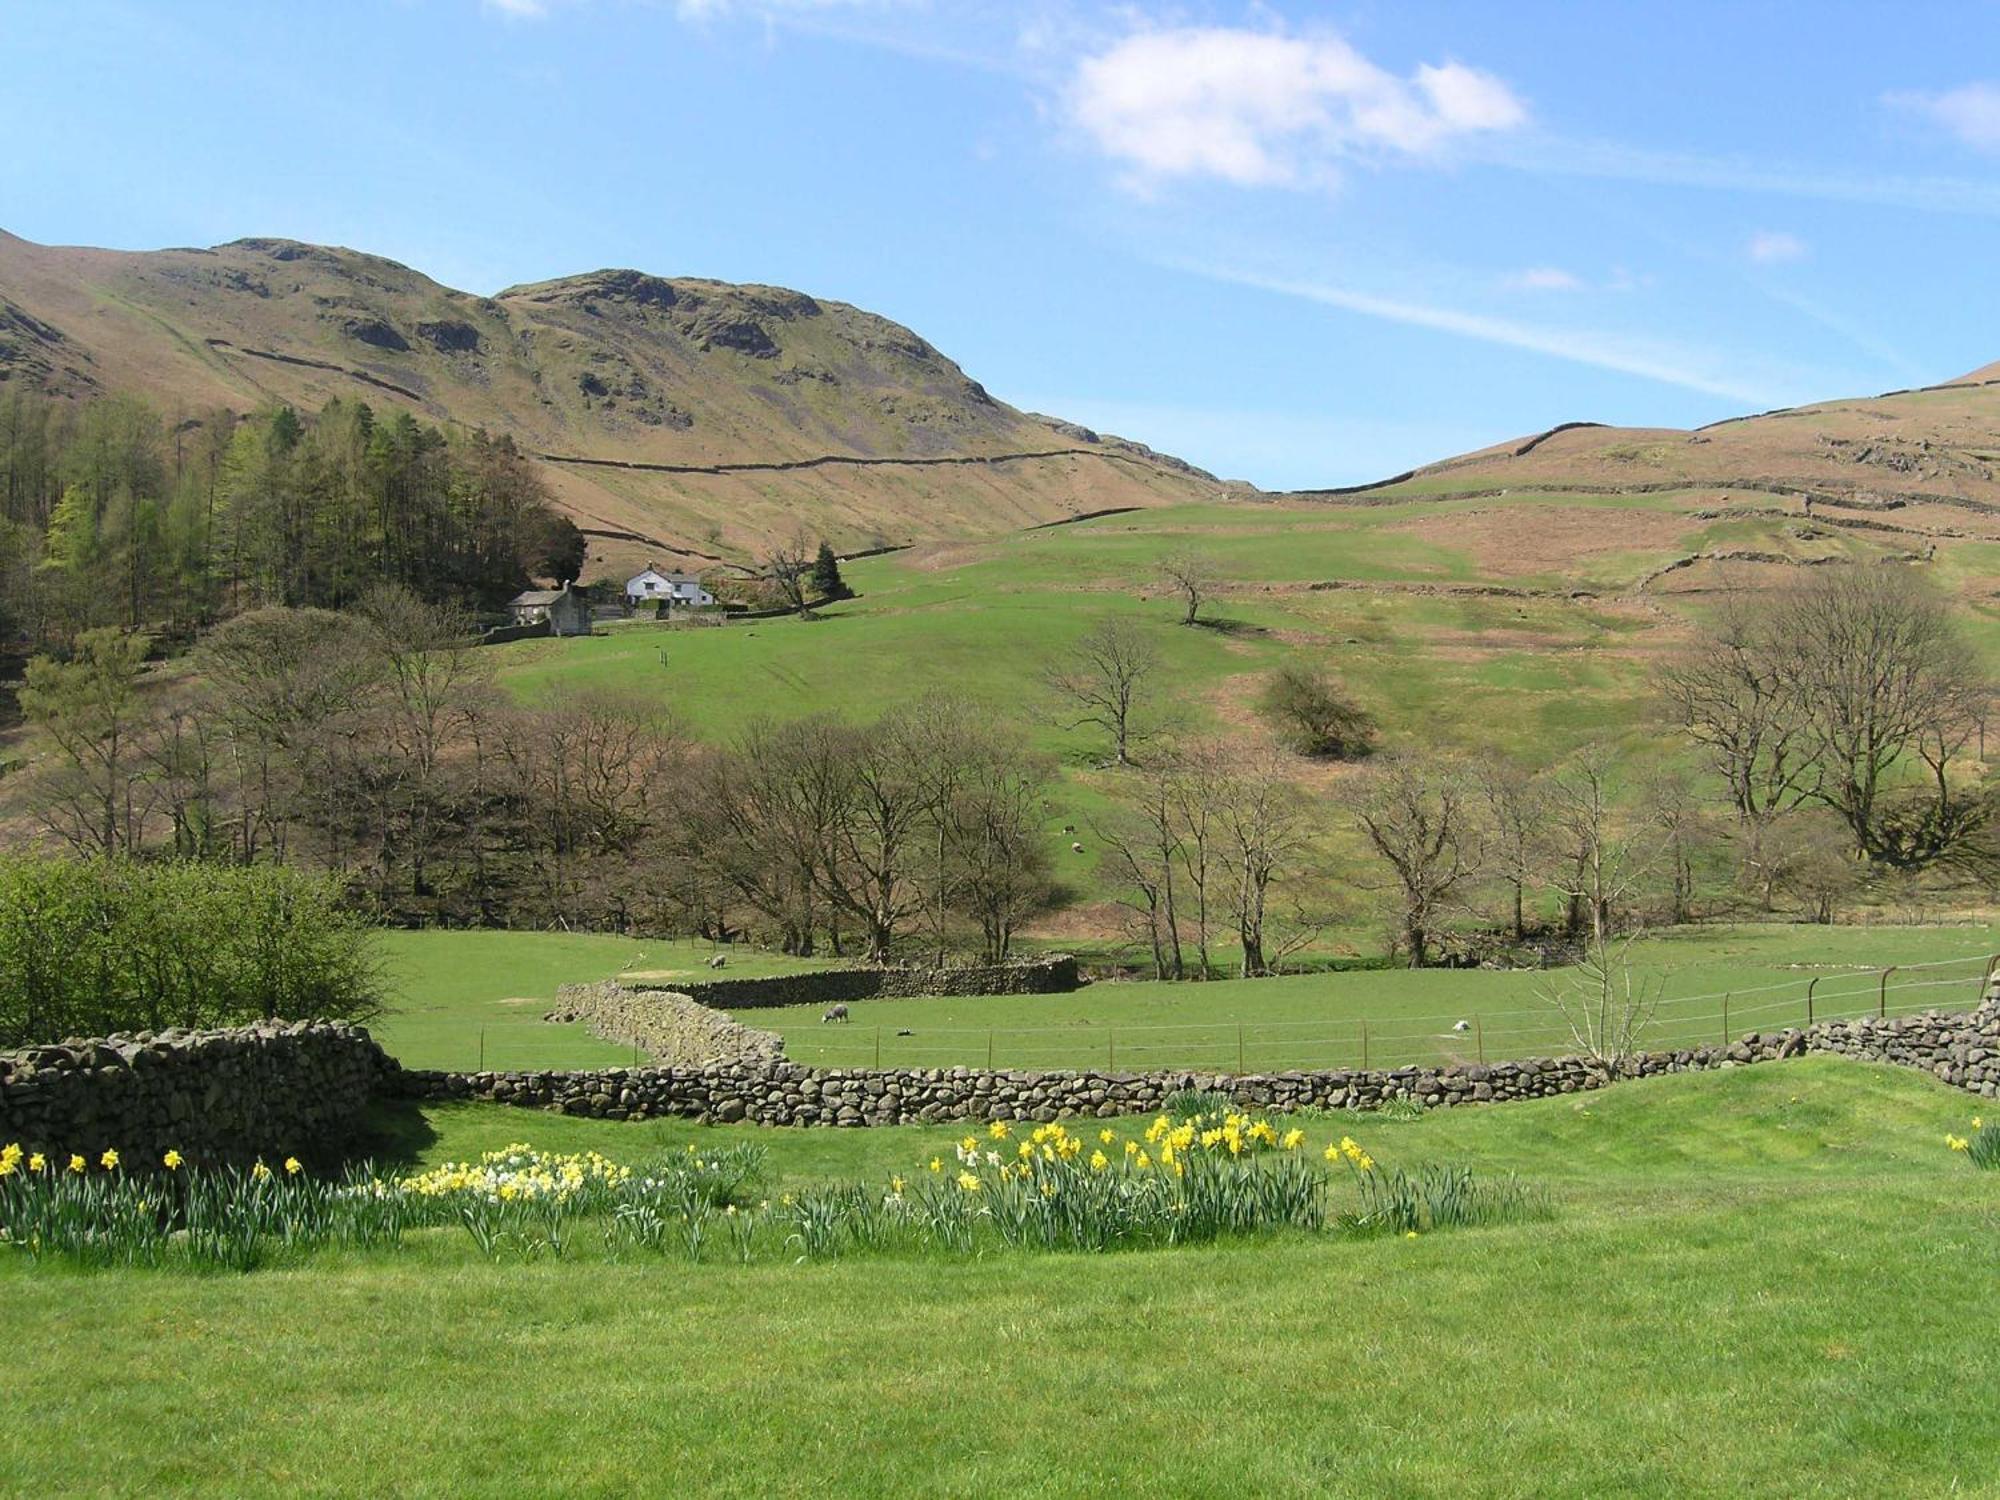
x=1076 y=848
x=717 y=961
x=834 y=1013
x=1461 y=1026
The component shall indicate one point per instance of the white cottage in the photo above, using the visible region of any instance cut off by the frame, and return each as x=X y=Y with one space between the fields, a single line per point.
x=674 y=590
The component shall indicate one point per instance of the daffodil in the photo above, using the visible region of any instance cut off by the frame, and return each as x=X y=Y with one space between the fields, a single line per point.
x=998 y=1130
x=172 y=1161
x=38 y=1162
x=109 y=1160
x=937 y=1164
x=76 y=1162
x=1958 y=1143
x=969 y=1182
x=260 y=1172
x=896 y=1186
x=1099 y=1161
x=293 y=1167
x=1294 y=1138
x=1107 y=1135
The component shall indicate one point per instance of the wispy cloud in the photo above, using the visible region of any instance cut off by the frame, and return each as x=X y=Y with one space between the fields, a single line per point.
x=1970 y=114
x=1263 y=109
x=1543 y=279
x=1578 y=346
x=1553 y=156
x=1774 y=247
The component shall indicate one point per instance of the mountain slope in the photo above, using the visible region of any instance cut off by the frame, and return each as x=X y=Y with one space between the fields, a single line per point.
x=1909 y=475
x=694 y=417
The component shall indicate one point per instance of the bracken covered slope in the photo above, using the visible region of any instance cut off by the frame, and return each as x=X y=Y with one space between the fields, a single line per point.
x=682 y=417
x=1908 y=473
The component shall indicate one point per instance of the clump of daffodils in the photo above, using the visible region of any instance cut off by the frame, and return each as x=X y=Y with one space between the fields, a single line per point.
x=1981 y=1148
x=517 y=1173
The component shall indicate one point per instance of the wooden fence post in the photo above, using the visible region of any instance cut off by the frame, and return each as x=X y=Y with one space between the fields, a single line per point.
x=1811 y=985
x=1882 y=994
x=1364 y=1044
x=1479 y=1034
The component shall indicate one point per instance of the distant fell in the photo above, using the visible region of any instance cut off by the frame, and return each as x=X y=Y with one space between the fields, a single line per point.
x=674 y=417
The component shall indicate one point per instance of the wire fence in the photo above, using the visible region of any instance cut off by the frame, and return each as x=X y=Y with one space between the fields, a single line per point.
x=1347 y=1040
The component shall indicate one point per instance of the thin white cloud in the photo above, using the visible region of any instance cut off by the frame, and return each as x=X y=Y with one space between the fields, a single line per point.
x=1551 y=156
x=1970 y=114
x=1774 y=247
x=1261 y=108
x=1578 y=346
x=1544 y=279
x=519 y=10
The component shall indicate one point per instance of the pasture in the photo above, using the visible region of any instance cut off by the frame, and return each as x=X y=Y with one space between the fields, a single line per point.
x=453 y=986
x=1772 y=1281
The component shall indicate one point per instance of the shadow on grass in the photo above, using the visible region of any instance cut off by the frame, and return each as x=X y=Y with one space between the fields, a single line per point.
x=1222 y=625
x=394 y=1134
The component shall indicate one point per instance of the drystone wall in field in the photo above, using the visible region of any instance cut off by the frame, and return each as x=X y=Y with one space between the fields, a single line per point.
x=1960 y=1049
x=1055 y=975
x=674 y=1030
x=271 y=1090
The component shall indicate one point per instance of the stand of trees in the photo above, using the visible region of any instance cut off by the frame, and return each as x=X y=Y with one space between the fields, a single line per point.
x=112 y=514
x=372 y=743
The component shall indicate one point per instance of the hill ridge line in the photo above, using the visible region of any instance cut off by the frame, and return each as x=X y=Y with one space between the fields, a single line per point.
x=850 y=460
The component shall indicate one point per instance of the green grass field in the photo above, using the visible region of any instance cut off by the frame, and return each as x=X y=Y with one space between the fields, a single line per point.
x=452 y=986
x=466 y=1000
x=1768 y=1282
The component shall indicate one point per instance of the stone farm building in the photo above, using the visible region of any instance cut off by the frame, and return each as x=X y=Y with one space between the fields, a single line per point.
x=673 y=590
x=567 y=613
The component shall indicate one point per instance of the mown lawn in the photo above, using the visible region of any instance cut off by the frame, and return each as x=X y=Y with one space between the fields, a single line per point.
x=1773 y=1281
x=454 y=986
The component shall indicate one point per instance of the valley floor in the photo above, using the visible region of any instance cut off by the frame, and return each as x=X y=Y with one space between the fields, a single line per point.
x=1774 y=1281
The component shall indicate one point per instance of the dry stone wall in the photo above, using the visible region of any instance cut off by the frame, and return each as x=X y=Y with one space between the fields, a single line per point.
x=1960 y=1049
x=1055 y=975
x=674 y=1030
x=269 y=1090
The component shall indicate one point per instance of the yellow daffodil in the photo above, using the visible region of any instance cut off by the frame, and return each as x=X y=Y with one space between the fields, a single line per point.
x=109 y=1160
x=76 y=1162
x=969 y=1182
x=1977 y=1123
x=970 y=1143
x=1958 y=1143
x=1107 y=1135
x=1410 y=1235
x=293 y=1167
x=937 y=1164
x=1294 y=1138
x=259 y=1172
x=896 y=1186
x=1099 y=1161
x=38 y=1162
x=1142 y=1161
x=172 y=1161
x=998 y=1130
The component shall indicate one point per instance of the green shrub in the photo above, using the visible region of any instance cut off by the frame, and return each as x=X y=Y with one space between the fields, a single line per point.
x=100 y=945
x=1189 y=1104
x=1312 y=716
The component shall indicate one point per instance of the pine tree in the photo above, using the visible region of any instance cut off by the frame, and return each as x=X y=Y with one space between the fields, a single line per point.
x=826 y=579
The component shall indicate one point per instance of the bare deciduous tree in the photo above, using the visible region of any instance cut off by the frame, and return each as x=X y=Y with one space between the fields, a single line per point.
x=1193 y=576
x=1420 y=819
x=1605 y=1006
x=1515 y=807
x=788 y=566
x=1102 y=679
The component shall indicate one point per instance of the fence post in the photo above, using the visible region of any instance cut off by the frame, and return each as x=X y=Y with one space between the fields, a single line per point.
x=1364 y=1044
x=1725 y=1018
x=1111 y=1049
x=1239 y=1046
x=1882 y=994
x=989 y=1050
x=1479 y=1034
x=482 y=1051
x=1811 y=985
x=878 y=1046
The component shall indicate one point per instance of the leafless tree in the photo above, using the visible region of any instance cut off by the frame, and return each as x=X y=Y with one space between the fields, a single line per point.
x=1421 y=820
x=1193 y=576
x=1604 y=854
x=1102 y=681
x=787 y=566
x=1514 y=805
x=1606 y=1007
x=1262 y=837
x=93 y=795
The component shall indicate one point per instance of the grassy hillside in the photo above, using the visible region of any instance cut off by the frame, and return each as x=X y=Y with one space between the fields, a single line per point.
x=711 y=390
x=1774 y=1282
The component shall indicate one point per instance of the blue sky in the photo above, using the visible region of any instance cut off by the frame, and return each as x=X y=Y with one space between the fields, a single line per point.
x=1296 y=243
